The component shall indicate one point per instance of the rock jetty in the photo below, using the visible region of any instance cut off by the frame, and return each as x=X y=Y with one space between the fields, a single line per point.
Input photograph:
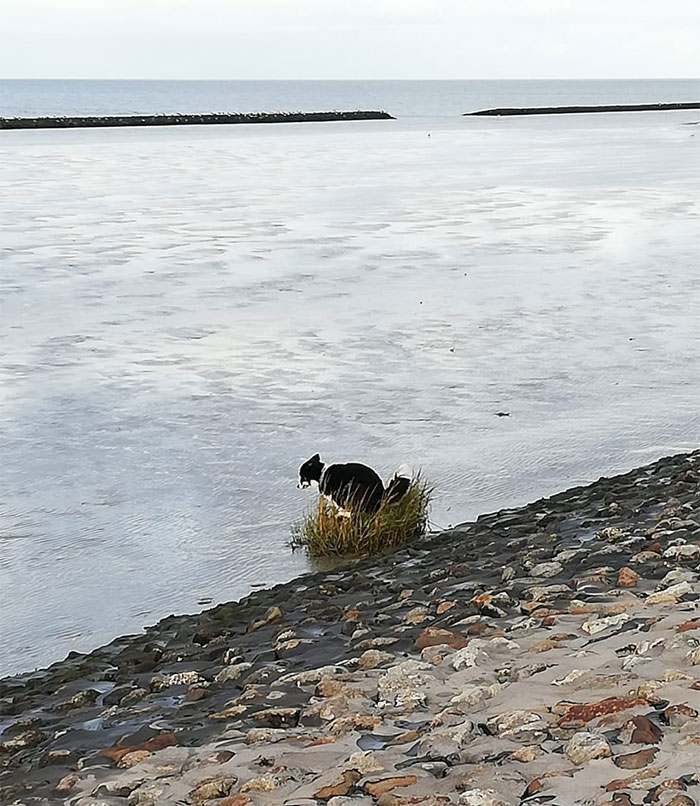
x=543 y=655
x=568 y=110
x=93 y=121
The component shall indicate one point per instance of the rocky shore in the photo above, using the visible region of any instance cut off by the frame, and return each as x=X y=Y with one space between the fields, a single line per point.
x=568 y=110
x=93 y=121
x=542 y=655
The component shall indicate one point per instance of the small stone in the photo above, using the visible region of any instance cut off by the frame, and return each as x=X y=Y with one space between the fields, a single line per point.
x=348 y=779
x=229 y=673
x=134 y=696
x=372 y=658
x=640 y=730
x=79 y=700
x=129 y=760
x=364 y=762
x=272 y=614
x=278 y=717
x=585 y=746
x=678 y=715
x=470 y=696
x=635 y=761
x=263 y=783
x=444 y=606
x=672 y=594
x=233 y=712
x=212 y=788
x=694 y=656
x=417 y=615
x=594 y=626
x=691 y=624
x=627 y=578
x=379 y=787
x=64 y=786
x=481 y=797
x=585 y=712
x=149 y=794
x=434 y=636
x=633 y=782
x=525 y=754
x=550 y=569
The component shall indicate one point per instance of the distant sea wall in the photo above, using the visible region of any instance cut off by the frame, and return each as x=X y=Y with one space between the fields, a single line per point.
x=568 y=110
x=91 y=121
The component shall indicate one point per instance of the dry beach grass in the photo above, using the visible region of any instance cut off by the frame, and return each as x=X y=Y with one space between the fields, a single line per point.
x=324 y=533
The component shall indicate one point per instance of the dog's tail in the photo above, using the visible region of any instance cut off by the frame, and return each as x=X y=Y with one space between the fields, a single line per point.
x=398 y=485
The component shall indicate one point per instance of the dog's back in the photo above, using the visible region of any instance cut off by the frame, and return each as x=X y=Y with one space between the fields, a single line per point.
x=352 y=486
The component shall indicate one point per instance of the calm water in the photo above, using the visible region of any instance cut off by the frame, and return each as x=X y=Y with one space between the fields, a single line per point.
x=400 y=98
x=186 y=314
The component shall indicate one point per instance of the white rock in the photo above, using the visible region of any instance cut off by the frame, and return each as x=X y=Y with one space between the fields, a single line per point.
x=584 y=746
x=232 y=672
x=683 y=552
x=470 y=695
x=550 y=569
x=594 y=626
x=672 y=594
x=404 y=685
x=481 y=797
x=573 y=675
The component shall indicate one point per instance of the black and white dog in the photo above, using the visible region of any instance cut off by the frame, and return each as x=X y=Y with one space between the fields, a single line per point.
x=353 y=486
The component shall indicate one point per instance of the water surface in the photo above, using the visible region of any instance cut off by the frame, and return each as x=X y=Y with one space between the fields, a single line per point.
x=186 y=314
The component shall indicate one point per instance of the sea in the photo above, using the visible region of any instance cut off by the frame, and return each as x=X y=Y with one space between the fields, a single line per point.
x=187 y=313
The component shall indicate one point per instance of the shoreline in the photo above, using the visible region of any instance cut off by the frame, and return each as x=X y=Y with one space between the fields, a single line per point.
x=111 y=121
x=552 y=649
x=569 y=110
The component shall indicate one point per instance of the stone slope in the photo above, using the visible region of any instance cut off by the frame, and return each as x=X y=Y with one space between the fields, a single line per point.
x=548 y=654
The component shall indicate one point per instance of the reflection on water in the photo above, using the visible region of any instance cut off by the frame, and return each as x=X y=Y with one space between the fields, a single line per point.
x=188 y=314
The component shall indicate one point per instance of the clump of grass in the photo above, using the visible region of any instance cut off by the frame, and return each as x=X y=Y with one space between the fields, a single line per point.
x=324 y=533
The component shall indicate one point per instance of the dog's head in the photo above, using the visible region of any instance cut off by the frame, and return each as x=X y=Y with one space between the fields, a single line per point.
x=310 y=471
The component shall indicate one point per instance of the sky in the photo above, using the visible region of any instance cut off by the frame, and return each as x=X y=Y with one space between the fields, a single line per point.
x=349 y=39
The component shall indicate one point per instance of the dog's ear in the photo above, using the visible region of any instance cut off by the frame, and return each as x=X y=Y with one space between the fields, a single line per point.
x=315 y=458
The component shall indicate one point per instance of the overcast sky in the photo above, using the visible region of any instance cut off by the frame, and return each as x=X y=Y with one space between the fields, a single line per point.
x=314 y=39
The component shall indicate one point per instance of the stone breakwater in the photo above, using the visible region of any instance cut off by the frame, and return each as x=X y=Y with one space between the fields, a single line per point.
x=542 y=655
x=187 y=120
x=569 y=110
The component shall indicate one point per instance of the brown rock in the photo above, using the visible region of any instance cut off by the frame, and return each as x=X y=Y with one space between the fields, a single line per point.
x=585 y=712
x=635 y=761
x=117 y=752
x=640 y=730
x=348 y=779
x=627 y=783
x=434 y=636
x=64 y=786
x=692 y=624
x=379 y=787
x=408 y=736
x=272 y=614
x=627 y=578
x=234 y=800
x=444 y=606
x=129 y=760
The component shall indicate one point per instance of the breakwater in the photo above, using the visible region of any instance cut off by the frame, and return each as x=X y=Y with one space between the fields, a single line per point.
x=91 y=121
x=569 y=110
x=548 y=653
